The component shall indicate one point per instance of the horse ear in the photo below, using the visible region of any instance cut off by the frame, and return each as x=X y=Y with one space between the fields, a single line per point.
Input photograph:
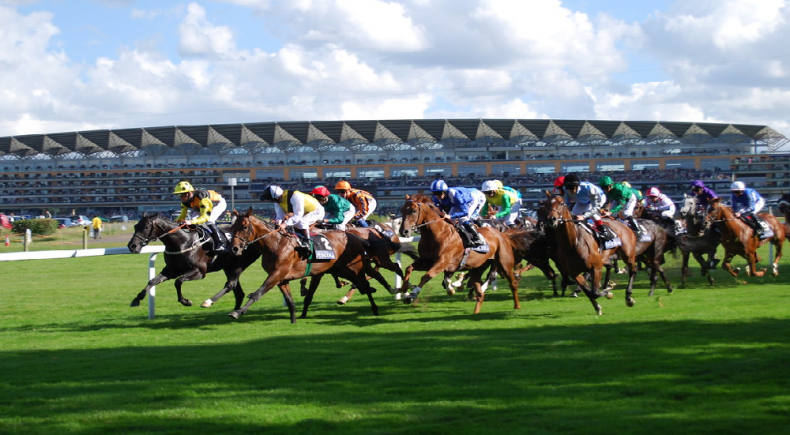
x=408 y=197
x=145 y=214
x=548 y=194
x=249 y=212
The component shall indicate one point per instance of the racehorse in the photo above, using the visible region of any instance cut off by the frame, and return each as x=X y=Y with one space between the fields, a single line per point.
x=650 y=250
x=579 y=252
x=186 y=258
x=700 y=238
x=738 y=238
x=284 y=263
x=441 y=250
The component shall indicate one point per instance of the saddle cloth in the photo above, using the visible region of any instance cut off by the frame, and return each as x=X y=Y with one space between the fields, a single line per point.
x=322 y=248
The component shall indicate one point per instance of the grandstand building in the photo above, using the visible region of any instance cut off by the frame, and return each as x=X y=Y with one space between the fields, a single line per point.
x=127 y=171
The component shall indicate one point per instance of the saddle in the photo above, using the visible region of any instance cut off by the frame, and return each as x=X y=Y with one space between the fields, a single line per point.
x=473 y=241
x=204 y=232
x=321 y=248
x=760 y=226
x=606 y=238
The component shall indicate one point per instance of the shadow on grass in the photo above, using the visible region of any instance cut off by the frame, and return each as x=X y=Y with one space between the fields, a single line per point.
x=640 y=377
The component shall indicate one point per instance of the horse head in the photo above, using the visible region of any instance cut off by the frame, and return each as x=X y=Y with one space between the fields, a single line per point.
x=245 y=230
x=553 y=211
x=410 y=216
x=145 y=230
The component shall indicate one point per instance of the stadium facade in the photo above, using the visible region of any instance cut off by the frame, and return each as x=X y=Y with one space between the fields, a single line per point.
x=134 y=170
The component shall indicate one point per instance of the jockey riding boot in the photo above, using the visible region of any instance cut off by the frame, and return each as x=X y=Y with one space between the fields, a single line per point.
x=304 y=240
x=634 y=226
x=755 y=224
x=475 y=239
x=601 y=230
x=216 y=238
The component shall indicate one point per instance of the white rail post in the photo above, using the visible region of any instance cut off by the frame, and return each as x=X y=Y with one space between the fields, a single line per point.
x=152 y=291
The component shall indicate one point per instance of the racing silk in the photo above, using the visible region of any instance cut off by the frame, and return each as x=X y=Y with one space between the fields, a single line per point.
x=704 y=196
x=298 y=203
x=662 y=204
x=503 y=200
x=337 y=206
x=621 y=195
x=203 y=202
x=461 y=202
x=749 y=202
x=587 y=200
x=362 y=201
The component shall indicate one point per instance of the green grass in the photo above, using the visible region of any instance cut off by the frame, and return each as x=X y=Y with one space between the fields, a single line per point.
x=76 y=359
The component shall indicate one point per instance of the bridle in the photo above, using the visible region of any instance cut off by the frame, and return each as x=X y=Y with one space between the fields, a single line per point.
x=149 y=238
x=245 y=243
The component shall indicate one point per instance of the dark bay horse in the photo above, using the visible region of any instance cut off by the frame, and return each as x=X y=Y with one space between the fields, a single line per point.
x=700 y=240
x=738 y=238
x=187 y=259
x=579 y=251
x=441 y=250
x=284 y=263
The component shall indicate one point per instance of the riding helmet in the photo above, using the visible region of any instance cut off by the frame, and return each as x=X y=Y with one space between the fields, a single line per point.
x=271 y=193
x=571 y=180
x=183 y=187
x=489 y=186
x=605 y=181
x=697 y=183
x=653 y=191
x=738 y=185
x=320 y=191
x=438 y=186
x=559 y=181
x=343 y=185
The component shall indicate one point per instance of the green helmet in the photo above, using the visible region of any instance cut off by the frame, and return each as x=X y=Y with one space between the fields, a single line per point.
x=605 y=181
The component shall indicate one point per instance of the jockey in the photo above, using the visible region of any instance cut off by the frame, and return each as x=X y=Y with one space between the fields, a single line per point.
x=746 y=203
x=340 y=209
x=660 y=204
x=306 y=210
x=587 y=200
x=703 y=194
x=462 y=205
x=207 y=203
x=504 y=198
x=622 y=198
x=361 y=200
x=640 y=199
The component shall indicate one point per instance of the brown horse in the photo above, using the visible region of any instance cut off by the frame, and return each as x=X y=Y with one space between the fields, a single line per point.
x=284 y=263
x=738 y=238
x=579 y=251
x=441 y=250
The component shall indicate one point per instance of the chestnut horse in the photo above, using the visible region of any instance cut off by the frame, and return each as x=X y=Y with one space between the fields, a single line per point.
x=187 y=259
x=579 y=251
x=284 y=263
x=738 y=238
x=441 y=250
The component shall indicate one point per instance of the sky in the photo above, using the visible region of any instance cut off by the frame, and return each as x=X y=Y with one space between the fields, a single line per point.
x=107 y=64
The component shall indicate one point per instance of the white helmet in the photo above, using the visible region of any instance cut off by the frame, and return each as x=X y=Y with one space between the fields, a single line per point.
x=439 y=186
x=489 y=186
x=653 y=191
x=271 y=193
x=738 y=185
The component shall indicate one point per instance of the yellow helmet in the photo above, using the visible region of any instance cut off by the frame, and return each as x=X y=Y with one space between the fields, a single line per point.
x=183 y=187
x=343 y=185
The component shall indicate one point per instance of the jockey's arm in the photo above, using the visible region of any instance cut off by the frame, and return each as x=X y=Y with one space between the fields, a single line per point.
x=205 y=210
x=505 y=211
x=297 y=202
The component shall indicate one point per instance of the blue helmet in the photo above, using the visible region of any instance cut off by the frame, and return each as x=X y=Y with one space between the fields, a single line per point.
x=439 y=186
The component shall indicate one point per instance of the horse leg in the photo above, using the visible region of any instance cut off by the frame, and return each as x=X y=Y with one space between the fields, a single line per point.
x=162 y=277
x=407 y=274
x=357 y=278
x=629 y=299
x=192 y=275
x=308 y=296
x=273 y=279
x=285 y=289
x=725 y=263
x=751 y=258
x=229 y=285
x=775 y=266
x=432 y=272
x=591 y=293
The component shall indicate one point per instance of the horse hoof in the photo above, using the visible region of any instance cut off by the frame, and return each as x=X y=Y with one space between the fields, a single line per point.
x=670 y=290
x=630 y=302
x=574 y=295
x=207 y=303
x=450 y=292
x=234 y=314
x=599 y=310
x=135 y=303
x=342 y=301
x=186 y=302
x=609 y=295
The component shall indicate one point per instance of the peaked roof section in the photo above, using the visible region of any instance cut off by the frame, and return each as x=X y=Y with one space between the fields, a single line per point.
x=402 y=134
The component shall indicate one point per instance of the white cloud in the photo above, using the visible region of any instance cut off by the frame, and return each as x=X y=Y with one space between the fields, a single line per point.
x=201 y=37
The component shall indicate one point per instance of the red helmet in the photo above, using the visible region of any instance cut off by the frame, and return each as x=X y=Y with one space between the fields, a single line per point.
x=320 y=191
x=558 y=182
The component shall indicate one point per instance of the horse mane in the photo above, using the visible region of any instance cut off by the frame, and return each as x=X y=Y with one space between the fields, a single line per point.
x=521 y=239
x=422 y=198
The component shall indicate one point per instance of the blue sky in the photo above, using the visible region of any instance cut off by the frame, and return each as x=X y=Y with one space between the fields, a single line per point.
x=83 y=65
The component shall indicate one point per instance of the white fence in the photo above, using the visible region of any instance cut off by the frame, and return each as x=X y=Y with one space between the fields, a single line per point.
x=78 y=253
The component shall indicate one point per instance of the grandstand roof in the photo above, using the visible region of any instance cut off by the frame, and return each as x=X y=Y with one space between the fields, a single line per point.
x=386 y=135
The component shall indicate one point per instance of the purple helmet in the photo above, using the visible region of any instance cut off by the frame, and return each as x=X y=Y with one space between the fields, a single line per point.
x=697 y=183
